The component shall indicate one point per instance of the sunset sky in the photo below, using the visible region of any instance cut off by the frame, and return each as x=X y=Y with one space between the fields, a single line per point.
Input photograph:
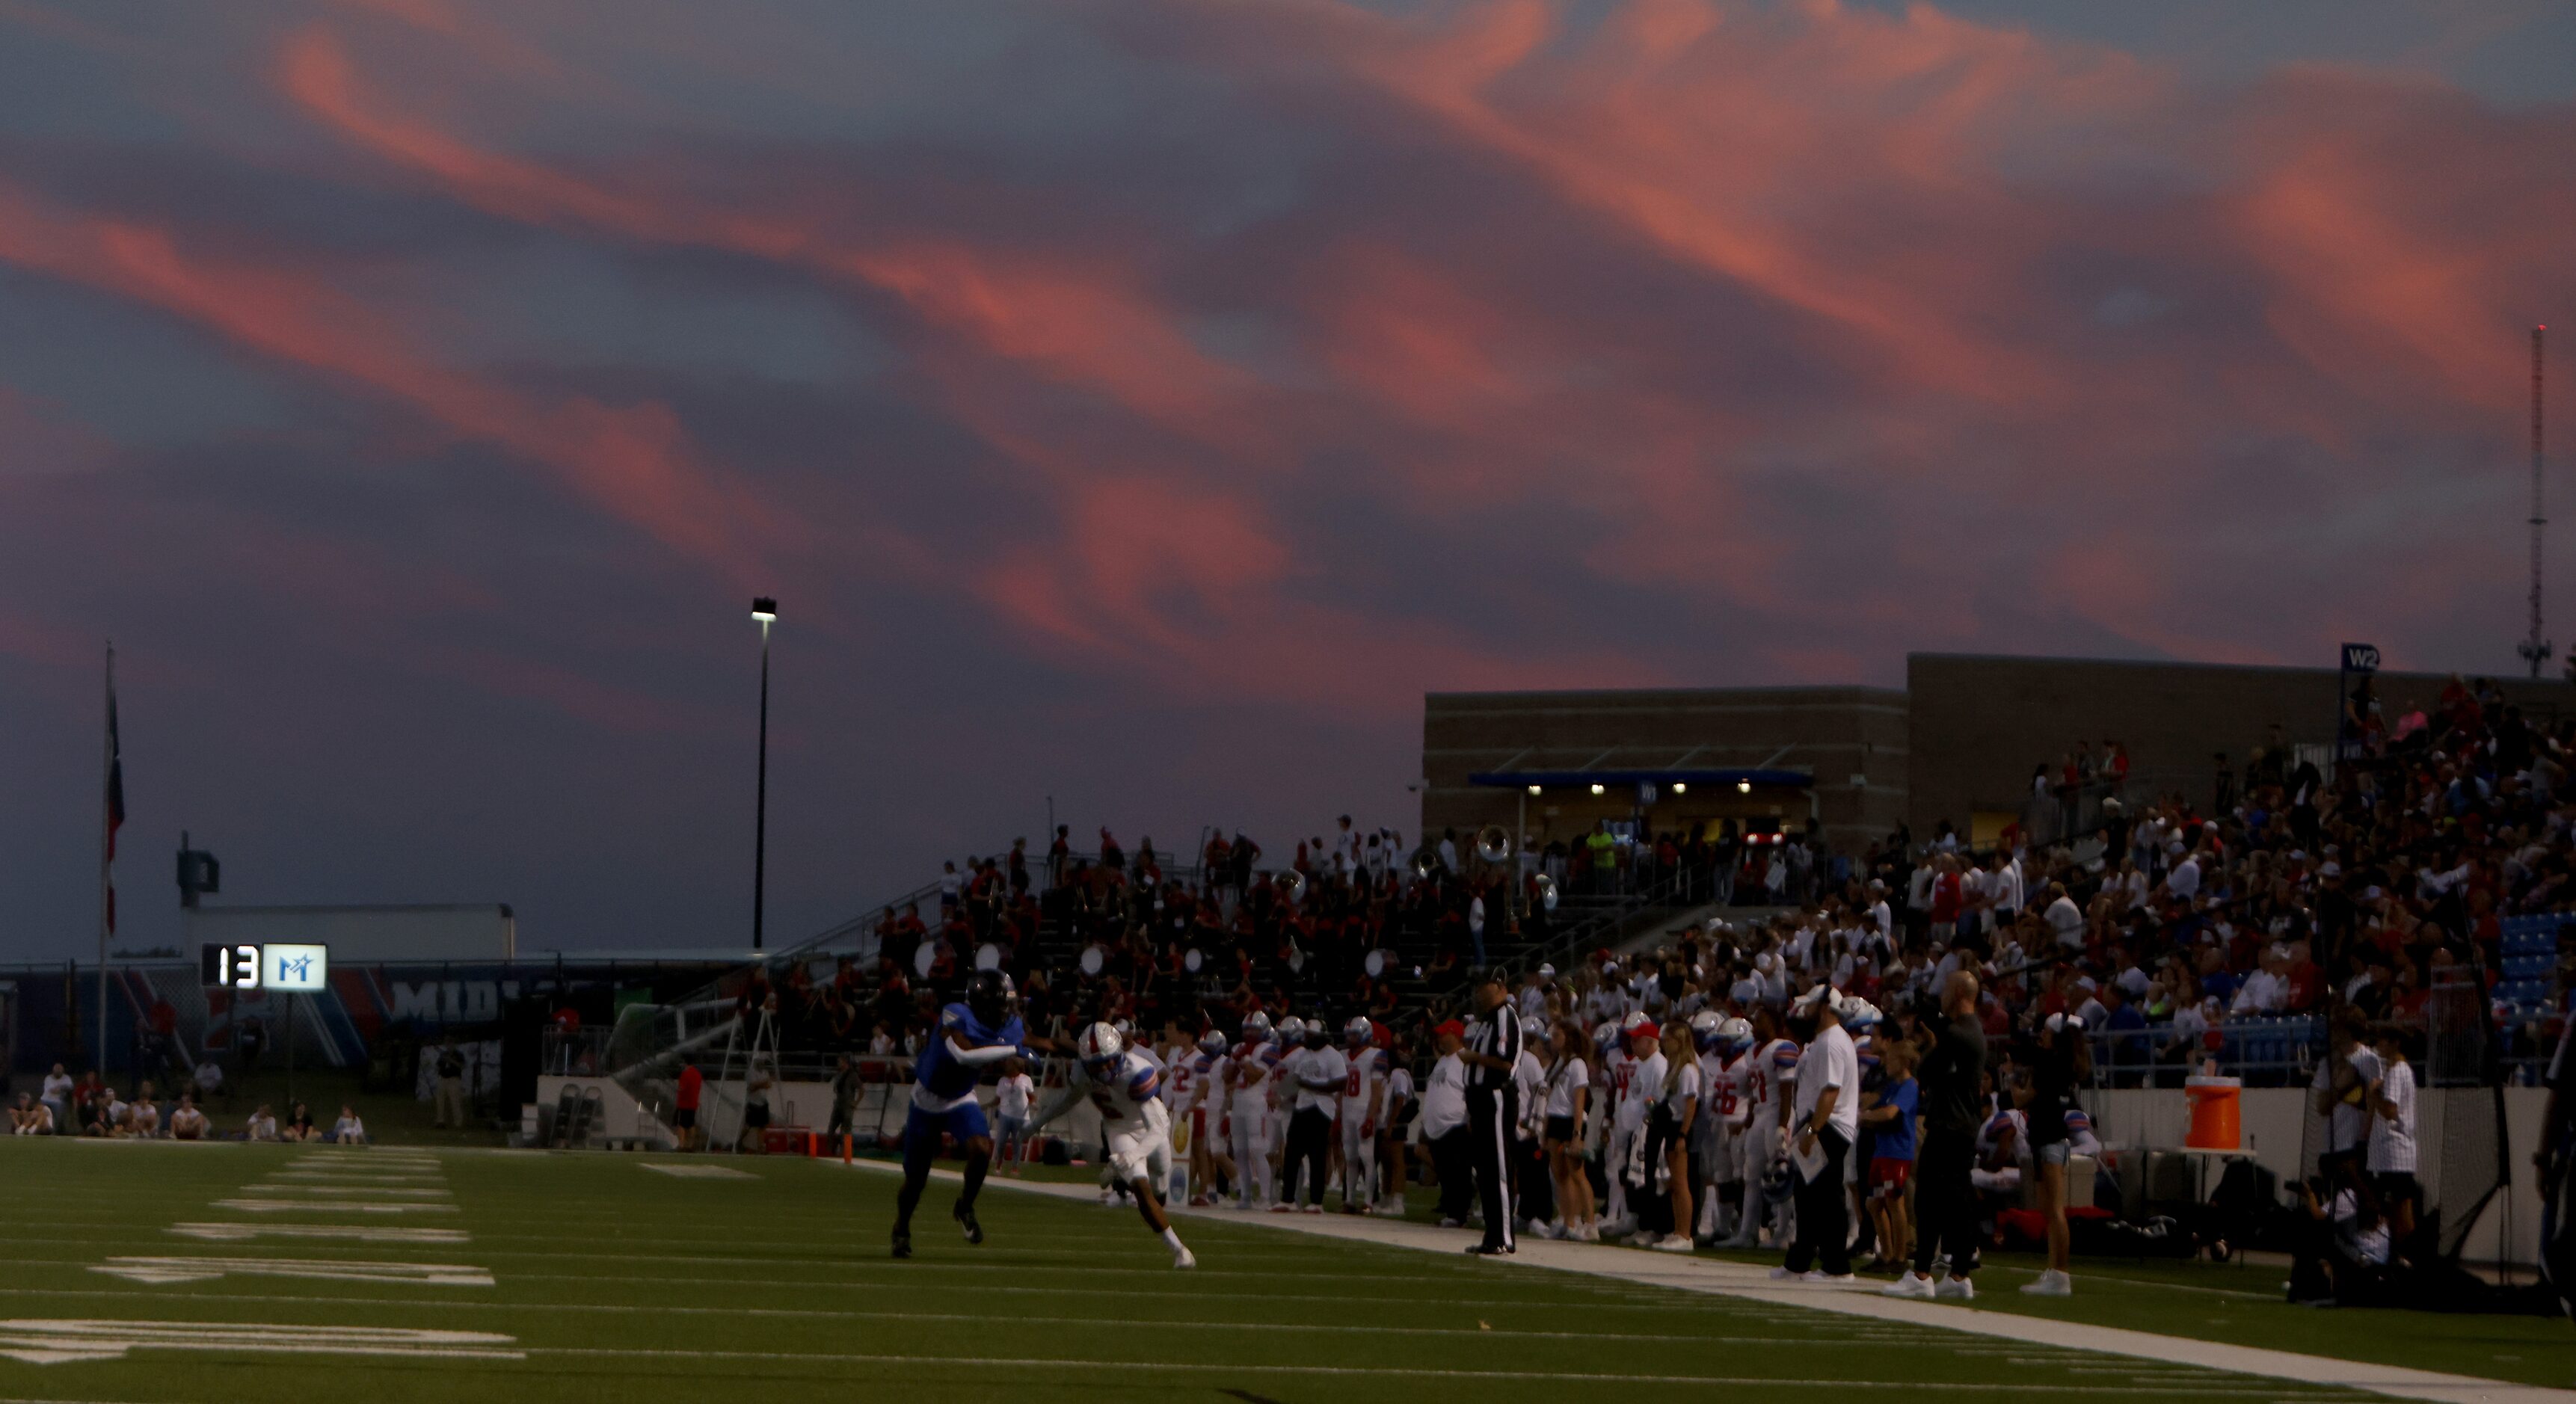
x=1144 y=402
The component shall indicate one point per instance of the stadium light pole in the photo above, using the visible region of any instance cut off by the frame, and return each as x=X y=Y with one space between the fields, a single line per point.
x=765 y=610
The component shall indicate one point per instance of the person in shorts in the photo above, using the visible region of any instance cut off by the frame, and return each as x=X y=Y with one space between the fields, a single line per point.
x=1011 y=1099
x=1891 y=1166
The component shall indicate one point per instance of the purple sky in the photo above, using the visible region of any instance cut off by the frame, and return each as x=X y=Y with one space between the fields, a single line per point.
x=1144 y=403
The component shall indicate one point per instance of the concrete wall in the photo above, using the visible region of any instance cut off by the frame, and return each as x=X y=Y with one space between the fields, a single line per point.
x=1835 y=733
x=1980 y=722
x=2274 y=1121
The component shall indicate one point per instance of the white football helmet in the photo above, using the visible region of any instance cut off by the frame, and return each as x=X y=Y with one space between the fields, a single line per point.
x=1704 y=1028
x=1292 y=1030
x=1099 y=1045
x=1735 y=1035
x=1358 y=1030
x=1256 y=1028
x=1212 y=1043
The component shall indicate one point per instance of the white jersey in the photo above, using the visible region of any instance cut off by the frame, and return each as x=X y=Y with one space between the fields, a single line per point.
x=1130 y=1092
x=1361 y=1085
x=1181 y=1079
x=1716 y=1084
x=1645 y=1088
x=1766 y=1085
x=1616 y=1068
x=1727 y=1094
x=1251 y=1076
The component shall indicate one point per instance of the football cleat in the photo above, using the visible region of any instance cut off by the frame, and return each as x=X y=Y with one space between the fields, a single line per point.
x=966 y=1220
x=902 y=1244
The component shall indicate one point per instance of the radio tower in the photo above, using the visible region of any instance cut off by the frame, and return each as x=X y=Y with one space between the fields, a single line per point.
x=2535 y=650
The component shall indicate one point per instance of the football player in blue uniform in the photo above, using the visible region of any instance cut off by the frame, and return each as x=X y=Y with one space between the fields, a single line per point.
x=972 y=1036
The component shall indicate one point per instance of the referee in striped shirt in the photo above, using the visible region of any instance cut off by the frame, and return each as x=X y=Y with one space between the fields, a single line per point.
x=1493 y=1105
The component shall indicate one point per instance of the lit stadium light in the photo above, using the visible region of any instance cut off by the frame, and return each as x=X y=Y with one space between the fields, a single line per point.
x=1533 y=789
x=1744 y=787
x=1596 y=789
x=1681 y=787
x=765 y=610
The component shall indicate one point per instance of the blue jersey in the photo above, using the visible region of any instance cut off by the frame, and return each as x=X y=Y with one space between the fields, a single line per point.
x=940 y=1082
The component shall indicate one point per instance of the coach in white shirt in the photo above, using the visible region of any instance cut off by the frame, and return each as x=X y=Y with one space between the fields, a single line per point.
x=2390 y=1155
x=1825 y=1118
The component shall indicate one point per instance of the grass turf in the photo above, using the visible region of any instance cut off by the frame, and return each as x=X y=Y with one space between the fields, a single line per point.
x=608 y=1275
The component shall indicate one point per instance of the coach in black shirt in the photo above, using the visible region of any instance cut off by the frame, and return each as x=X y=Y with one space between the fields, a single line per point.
x=1948 y=1082
x=1493 y=1105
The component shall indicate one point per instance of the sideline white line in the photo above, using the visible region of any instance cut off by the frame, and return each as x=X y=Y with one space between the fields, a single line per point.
x=1161 y=1367
x=1726 y=1279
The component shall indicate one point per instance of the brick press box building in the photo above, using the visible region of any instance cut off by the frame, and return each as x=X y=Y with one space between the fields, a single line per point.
x=1957 y=742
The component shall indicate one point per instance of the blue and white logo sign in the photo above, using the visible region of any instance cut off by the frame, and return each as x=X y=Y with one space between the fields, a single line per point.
x=294 y=969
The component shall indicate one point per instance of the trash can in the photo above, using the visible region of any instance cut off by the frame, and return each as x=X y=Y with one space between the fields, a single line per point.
x=2215 y=1121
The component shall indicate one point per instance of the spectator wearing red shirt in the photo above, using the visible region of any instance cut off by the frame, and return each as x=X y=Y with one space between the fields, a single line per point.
x=684 y=1106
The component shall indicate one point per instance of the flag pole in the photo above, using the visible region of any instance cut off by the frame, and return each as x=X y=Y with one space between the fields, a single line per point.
x=106 y=849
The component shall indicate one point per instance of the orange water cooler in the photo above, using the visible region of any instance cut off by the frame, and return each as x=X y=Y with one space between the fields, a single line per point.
x=2215 y=1123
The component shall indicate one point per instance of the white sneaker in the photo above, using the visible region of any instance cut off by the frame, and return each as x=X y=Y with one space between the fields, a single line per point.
x=1781 y=1274
x=2051 y=1283
x=1675 y=1243
x=1314 y=1209
x=1958 y=1287
x=1108 y=1196
x=1912 y=1284
x=1184 y=1258
x=1820 y=1275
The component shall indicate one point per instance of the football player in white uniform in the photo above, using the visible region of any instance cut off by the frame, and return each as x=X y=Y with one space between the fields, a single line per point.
x=1197 y=1115
x=1285 y=1046
x=1729 y=1109
x=1124 y=1085
x=1363 y=1110
x=1399 y=1102
x=1626 y=1118
x=1247 y=1112
x=1709 y=1132
x=1764 y=1086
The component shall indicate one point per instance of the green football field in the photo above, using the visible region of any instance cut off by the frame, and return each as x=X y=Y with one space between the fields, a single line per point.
x=152 y=1272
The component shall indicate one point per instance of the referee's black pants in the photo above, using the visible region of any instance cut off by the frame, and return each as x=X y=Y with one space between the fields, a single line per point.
x=1945 y=1202
x=1491 y=1114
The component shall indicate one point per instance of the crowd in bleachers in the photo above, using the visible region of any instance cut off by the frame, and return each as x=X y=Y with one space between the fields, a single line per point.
x=2178 y=932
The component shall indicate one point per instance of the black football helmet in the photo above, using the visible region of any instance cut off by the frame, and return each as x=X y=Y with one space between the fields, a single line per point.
x=989 y=996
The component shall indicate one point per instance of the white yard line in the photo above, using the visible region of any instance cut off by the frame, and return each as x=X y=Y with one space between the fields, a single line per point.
x=1727 y=1279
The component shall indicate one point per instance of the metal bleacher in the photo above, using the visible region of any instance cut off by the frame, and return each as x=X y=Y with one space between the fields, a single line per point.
x=2529 y=962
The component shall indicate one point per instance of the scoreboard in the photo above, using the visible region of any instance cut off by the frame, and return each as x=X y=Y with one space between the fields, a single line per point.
x=287 y=968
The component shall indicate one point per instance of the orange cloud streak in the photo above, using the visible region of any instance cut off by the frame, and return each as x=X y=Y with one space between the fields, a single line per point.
x=632 y=460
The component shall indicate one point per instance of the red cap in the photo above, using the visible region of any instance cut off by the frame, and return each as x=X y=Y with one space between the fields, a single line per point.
x=1648 y=1029
x=1452 y=1028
